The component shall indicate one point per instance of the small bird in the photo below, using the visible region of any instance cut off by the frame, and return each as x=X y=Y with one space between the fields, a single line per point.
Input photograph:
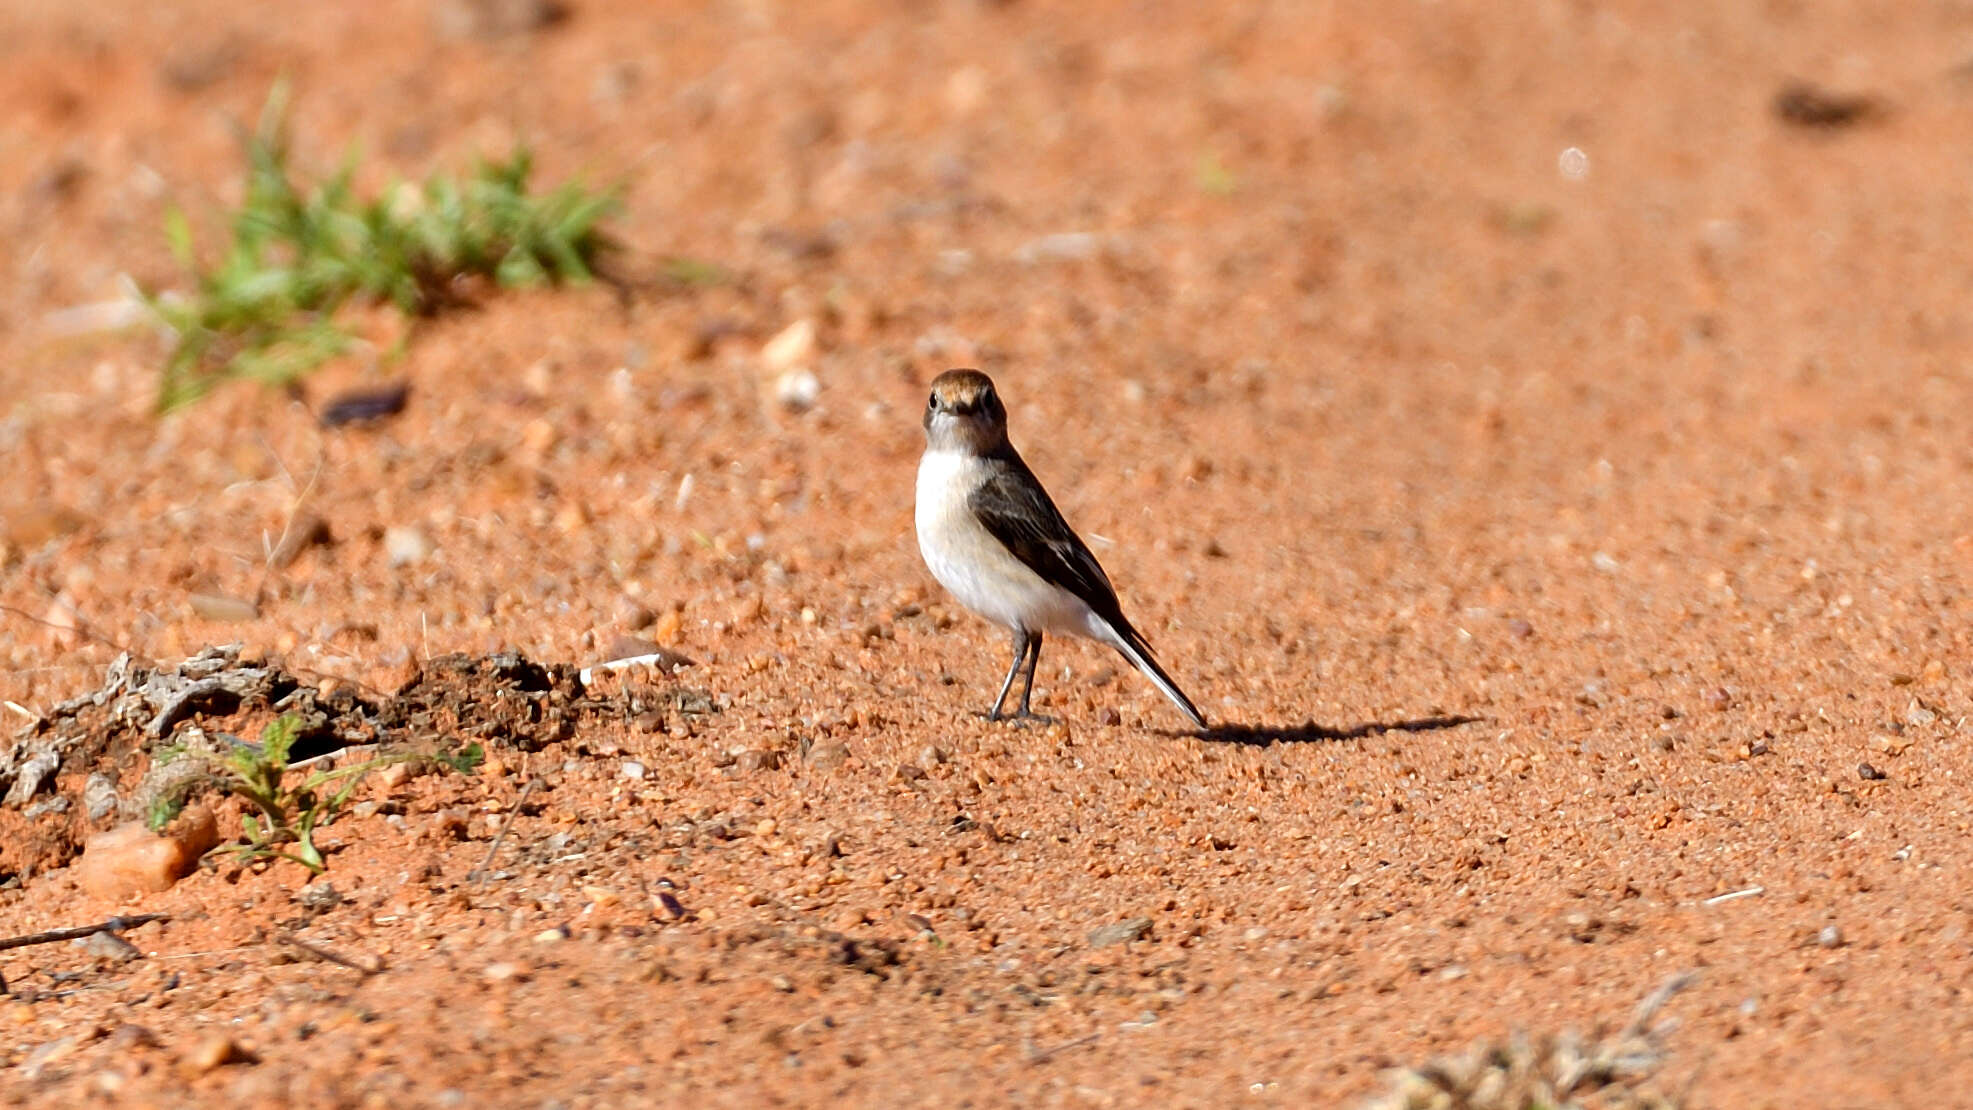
x=991 y=536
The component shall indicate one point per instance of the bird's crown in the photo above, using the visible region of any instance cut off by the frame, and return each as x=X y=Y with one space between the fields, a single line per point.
x=963 y=392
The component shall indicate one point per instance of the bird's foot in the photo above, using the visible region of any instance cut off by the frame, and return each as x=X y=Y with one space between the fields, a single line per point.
x=1020 y=718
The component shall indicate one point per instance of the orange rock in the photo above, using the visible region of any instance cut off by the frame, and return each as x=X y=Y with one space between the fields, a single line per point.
x=131 y=859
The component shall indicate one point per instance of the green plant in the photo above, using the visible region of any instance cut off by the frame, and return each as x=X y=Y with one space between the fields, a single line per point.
x=290 y=810
x=266 y=310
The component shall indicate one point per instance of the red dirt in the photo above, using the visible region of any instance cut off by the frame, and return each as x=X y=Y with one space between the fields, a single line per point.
x=1660 y=469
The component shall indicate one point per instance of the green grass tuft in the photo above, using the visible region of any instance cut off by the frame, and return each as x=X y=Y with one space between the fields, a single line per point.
x=266 y=310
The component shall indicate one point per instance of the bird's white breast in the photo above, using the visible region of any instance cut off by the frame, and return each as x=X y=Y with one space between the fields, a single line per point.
x=976 y=567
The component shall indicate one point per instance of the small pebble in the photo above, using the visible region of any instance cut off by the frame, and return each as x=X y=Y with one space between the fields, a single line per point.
x=1123 y=932
x=406 y=544
x=215 y=1051
x=1868 y=773
x=632 y=770
x=319 y=896
x=797 y=390
x=828 y=756
x=223 y=609
x=792 y=347
x=99 y=798
x=109 y=947
x=1830 y=937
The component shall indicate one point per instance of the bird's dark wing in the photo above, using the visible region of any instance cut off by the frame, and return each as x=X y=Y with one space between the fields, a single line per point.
x=1012 y=506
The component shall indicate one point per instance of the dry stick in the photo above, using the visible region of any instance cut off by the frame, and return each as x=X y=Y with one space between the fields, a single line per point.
x=1044 y=1054
x=325 y=757
x=326 y=955
x=54 y=936
x=1655 y=1001
x=294 y=510
x=81 y=628
x=493 y=849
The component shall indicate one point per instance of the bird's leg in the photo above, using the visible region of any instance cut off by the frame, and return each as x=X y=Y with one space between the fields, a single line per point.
x=1022 y=638
x=1027 y=688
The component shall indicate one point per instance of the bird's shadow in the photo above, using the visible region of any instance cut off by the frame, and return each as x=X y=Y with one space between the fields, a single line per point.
x=1309 y=731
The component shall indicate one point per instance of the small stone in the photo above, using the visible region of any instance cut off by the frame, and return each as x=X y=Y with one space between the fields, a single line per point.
x=319 y=896
x=494 y=19
x=1122 y=932
x=306 y=531
x=757 y=759
x=793 y=347
x=505 y=973
x=366 y=405
x=633 y=615
x=556 y=935
x=1718 y=699
x=668 y=626
x=632 y=770
x=931 y=755
x=539 y=436
x=131 y=859
x=1830 y=937
x=636 y=647
x=219 y=607
x=110 y=948
x=215 y=1051
x=406 y=544
x=34 y=773
x=48 y=1055
x=1868 y=773
x=128 y=1038
x=797 y=390
x=99 y=798
x=828 y=756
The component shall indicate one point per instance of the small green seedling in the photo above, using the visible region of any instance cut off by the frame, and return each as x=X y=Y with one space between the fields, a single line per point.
x=290 y=810
x=267 y=309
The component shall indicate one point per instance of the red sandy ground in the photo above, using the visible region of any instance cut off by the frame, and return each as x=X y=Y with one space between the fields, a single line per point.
x=1659 y=469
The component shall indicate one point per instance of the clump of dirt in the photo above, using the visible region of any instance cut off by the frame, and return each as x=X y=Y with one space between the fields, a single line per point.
x=89 y=762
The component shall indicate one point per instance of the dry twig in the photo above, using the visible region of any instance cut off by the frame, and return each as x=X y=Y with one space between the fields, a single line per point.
x=56 y=936
x=328 y=956
x=481 y=872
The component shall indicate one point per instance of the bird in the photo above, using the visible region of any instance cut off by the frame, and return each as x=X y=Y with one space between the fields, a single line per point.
x=992 y=537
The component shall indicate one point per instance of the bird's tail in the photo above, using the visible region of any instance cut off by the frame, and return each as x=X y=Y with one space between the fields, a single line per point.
x=1133 y=647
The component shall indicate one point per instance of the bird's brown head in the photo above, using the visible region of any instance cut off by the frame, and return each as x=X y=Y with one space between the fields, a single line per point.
x=965 y=413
